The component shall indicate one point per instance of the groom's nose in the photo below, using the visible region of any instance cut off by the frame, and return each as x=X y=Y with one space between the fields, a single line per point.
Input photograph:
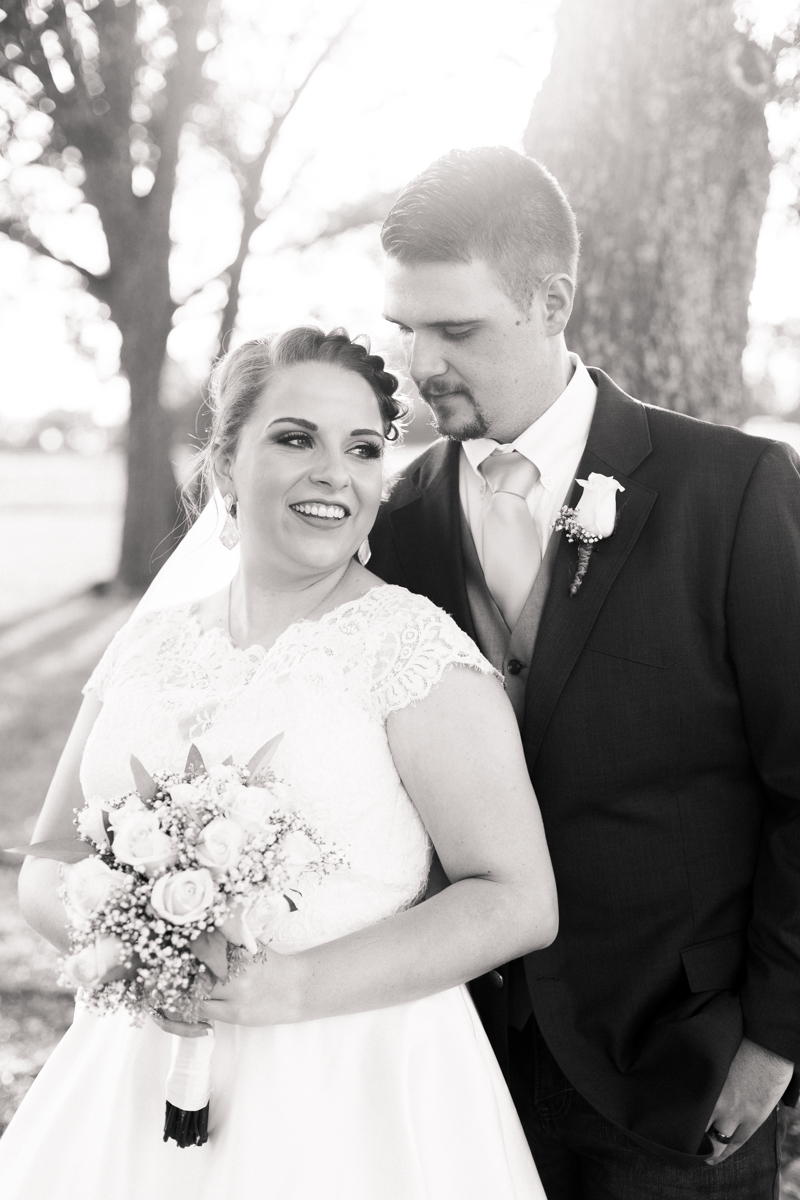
x=426 y=359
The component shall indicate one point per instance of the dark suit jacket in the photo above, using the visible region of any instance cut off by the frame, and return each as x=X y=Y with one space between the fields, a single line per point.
x=662 y=735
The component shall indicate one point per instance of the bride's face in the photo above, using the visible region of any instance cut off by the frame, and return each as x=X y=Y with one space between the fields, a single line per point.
x=307 y=471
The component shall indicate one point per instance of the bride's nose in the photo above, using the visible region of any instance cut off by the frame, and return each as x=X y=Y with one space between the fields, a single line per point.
x=330 y=470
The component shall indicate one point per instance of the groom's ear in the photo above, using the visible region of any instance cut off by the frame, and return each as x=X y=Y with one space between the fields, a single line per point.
x=558 y=292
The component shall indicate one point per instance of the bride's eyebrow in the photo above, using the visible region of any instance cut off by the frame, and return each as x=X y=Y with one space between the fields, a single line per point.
x=367 y=433
x=294 y=421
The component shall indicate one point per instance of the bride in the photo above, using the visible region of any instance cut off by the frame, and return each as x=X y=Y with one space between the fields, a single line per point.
x=350 y=1063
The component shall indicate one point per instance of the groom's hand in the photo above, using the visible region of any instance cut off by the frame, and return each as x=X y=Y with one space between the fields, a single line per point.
x=756 y=1081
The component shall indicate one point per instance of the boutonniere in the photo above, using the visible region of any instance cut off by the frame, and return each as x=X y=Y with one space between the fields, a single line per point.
x=592 y=519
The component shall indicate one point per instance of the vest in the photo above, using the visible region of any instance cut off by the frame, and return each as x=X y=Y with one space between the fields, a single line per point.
x=508 y=650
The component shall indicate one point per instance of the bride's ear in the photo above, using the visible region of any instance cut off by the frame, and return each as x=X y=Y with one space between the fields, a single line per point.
x=221 y=465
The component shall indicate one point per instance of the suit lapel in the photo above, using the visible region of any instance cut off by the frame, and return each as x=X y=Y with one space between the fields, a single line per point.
x=427 y=534
x=619 y=440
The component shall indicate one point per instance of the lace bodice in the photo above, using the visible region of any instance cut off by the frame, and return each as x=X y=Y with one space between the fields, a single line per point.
x=329 y=687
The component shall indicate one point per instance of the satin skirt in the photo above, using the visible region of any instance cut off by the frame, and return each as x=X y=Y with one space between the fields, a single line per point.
x=404 y=1103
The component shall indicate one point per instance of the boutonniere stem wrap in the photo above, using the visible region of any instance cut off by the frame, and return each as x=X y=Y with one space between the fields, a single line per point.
x=592 y=519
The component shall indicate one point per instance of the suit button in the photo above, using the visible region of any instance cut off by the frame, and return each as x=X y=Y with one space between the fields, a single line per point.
x=496 y=978
x=514 y=666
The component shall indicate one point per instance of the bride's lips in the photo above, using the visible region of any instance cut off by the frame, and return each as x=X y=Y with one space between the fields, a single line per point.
x=320 y=514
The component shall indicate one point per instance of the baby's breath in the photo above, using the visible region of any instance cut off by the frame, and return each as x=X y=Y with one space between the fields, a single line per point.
x=162 y=969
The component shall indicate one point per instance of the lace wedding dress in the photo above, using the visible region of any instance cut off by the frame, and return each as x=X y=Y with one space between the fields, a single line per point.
x=403 y=1103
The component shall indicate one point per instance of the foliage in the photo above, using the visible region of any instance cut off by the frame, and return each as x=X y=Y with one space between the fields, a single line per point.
x=100 y=105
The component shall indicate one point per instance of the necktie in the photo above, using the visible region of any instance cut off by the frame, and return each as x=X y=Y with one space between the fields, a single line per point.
x=511 y=551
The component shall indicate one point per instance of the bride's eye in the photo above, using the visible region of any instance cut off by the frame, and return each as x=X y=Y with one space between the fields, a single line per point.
x=368 y=450
x=295 y=438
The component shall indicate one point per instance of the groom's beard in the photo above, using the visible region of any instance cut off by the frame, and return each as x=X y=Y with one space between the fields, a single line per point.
x=456 y=413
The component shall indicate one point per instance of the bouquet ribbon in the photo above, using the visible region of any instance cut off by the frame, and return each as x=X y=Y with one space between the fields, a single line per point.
x=189 y=1090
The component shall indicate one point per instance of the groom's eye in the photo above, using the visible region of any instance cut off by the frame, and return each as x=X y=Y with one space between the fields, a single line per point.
x=455 y=333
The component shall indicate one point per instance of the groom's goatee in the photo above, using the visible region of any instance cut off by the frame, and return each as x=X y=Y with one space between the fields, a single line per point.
x=469 y=427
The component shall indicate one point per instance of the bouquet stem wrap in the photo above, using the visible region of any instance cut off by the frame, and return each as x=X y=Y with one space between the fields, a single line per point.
x=189 y=1090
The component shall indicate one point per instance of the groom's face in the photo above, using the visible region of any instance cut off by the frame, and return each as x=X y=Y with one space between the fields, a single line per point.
x=472 y=353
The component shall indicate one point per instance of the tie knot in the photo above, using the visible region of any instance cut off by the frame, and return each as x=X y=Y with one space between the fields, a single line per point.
x=510 y=472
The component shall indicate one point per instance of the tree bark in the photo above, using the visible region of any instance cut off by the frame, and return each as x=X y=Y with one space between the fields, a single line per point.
x=652 y=120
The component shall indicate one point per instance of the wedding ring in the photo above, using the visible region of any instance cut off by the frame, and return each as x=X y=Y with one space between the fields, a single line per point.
x=157 y=1014
x=720 y=1137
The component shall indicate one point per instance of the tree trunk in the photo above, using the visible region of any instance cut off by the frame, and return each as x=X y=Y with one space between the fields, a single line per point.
x=138 y=287
x=652 y=120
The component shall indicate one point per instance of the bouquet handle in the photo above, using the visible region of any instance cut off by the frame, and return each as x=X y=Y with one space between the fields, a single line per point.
x=189 y=1090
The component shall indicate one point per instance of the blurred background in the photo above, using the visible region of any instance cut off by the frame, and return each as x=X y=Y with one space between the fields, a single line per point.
x=177 y=178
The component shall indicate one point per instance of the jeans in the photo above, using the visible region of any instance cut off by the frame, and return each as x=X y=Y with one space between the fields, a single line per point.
x=580 y=1155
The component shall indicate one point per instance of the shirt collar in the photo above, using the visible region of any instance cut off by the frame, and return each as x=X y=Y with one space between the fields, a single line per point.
x=551 y=441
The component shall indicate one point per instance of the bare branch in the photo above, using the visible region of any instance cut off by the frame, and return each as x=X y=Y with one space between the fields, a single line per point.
x=280 y=120
x=364 y=212
x=96 y=285
x=251 y=187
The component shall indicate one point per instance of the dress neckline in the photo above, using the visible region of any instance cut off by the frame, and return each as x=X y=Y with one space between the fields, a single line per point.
x=256 y=650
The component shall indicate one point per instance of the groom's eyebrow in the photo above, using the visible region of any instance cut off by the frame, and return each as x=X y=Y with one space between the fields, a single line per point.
x=437 y=324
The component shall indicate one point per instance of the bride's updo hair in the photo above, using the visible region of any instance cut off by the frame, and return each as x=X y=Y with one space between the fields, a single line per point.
x=238 y=381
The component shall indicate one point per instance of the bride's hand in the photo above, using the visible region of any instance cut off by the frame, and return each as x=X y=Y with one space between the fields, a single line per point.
x=267 y=992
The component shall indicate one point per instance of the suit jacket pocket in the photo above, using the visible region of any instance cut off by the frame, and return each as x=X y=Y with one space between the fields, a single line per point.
x=629 y=650
x=717 y=965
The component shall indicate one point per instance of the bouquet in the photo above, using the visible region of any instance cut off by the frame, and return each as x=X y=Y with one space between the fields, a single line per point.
x=169 y=883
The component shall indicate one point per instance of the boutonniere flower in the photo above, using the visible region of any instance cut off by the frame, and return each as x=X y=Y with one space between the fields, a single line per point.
x=591 y=520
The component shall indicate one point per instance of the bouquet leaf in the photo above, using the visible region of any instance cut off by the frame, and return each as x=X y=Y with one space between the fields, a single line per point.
x=145 y=784
x=263 y=756
x=194 y=763
x=66 y=850
x=211 y=948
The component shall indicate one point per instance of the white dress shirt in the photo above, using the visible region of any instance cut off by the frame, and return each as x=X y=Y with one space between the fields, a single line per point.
x=555 y=443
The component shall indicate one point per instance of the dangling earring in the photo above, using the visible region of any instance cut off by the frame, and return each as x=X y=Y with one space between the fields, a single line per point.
x=364 y=552
x=229 y=534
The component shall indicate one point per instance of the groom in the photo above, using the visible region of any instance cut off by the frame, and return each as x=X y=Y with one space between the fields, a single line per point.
x=658 y=697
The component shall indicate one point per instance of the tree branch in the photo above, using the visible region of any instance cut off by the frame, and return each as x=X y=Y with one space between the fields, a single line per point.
x=97 y=285
x=368 y=211
x=250 y=189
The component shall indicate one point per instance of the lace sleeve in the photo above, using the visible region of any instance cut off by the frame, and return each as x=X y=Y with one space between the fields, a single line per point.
x=99 y=681
x=416 y=644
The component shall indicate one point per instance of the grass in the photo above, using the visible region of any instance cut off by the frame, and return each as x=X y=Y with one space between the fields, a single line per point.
x=40 y=684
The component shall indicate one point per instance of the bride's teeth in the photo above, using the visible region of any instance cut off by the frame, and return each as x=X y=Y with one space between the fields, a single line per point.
x=333 y=512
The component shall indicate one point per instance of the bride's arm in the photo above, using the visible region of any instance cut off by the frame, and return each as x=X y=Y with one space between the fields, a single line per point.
x=39 y=878
x=459 y=755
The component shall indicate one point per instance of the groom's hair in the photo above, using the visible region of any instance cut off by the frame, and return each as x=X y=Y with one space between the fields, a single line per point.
x=489 y=203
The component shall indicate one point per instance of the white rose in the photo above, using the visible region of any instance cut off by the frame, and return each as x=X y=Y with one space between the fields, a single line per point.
x=183 y=897
x=299 y=850
x=140 y=842
x=116 y=816
x=182 y=793
x=87 y=968
x=91 y=824
x=265 y=914
x=220 y=845
x=597 y=508
x=250 y=807
x=257 y=921
x=88 y=884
